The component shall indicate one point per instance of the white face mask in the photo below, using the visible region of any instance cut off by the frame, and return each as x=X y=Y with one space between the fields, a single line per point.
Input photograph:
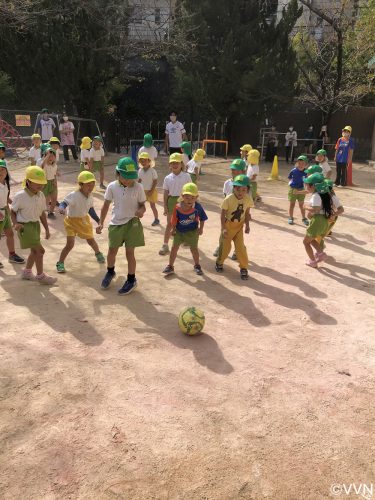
x=45 y=116
x=173 y=118
x=291 y=129
x=65 y=118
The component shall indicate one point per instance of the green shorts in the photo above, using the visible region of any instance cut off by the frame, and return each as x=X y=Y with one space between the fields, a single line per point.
x=29 y=235
x=49 y=188
x=129 y=234
x=295 y=197
x=318 y=226
x=253 y=187
x=96 y=166
x=6 y=222
x=171 y=203
x=190 y=238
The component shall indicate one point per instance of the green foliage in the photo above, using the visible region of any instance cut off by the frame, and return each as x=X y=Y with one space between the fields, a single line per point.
x=7 y=93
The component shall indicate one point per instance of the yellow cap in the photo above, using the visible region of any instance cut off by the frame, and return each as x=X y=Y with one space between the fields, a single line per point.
x=246 y=147
x=54 y=139
x=35 y=136
x=144 y=156
x=35 y=174
x=190 y=188
x=85 y=143
x=253 y=156
x=175 y=157
x=199 y=155
x=85 y=177
x=348 y=128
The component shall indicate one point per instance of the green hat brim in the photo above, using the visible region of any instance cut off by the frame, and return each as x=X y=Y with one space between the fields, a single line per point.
x=303 y=158
x=128 y=175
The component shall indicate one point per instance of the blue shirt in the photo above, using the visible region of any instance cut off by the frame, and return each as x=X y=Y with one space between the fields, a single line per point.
x=297 y=177
x=188 y=221
x=342 y=148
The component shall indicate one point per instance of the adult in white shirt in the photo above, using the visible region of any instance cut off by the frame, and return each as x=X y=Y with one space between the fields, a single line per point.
x=46 y=126
x=175 y=133
x=290 y=144
x=67 y=138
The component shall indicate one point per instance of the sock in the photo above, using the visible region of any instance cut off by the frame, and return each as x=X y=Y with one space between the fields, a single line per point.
x=131 y=278
x=12 y=253
x=111 y=270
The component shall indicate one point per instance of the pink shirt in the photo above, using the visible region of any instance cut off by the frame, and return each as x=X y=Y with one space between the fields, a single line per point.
x=67 y=139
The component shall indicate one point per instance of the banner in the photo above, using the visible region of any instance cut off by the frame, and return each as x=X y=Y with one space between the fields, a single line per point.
x=23 y=121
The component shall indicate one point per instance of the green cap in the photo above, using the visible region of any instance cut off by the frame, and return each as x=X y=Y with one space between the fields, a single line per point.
x=98 y=138
x=186 y=147
x=44 y=110
x=148 y=141
x=303 y=158
x=314 y=179
x=241 y=180
x=322 y=187
x=322 y=152
x=329 y=182
x=238 y=164
x=45 y=147
x=2 y=145
x=3 y=164
x=314 y=169
x=127 y=168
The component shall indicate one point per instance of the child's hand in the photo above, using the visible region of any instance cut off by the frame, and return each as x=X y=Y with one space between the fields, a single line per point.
x=200 y=230
x=173 y=232
x=18 y=226
x=58 y=174
x=139 y=213
x=47 y=234
x=225 y=233
x=247 y=229
x=99 y=229
x=1 y=216
x=165 y=211
x=62 y=211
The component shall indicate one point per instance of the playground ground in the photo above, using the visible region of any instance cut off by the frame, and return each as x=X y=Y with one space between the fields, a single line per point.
x=103 y=398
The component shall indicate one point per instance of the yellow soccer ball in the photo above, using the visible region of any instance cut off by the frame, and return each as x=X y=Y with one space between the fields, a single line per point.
x=191 y=320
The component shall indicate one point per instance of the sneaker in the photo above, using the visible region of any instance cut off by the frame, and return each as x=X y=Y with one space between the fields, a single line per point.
x=234 y=256
x=244 y=274
x=16 y=259
x=100 y=257
x=107 y=280
x=27 y=274
x=291 y=221
x=168 y=270
x=51 y=215
x=320 y=257
x=258 y=198
x=198 y=269
x=312 y=263
x=45 y=279
x=60 y=267
x=219 y=268
x=216 y=252
x=305 y=221
x=102 y=186
x=338 y=185
x=164 y=249
x=127 y=287
x=156 y=222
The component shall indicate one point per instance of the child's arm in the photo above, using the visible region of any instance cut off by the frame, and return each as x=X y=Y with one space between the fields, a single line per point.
x=153 y=187
x=201 y=226
x=62 y=207
x=339 y=211
x=165 y=199
x=174 y=220
x=223 y=219
x=43 y=220
x=17 y=225
x=94 y=215
x=102 y=162
x=141 y=210
x=247 y=221
x=103 y=215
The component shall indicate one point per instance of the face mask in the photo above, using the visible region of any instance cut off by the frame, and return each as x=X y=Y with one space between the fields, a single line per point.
x=45 y=117
x=65 y=118
x=173 y=118
x=291 y=129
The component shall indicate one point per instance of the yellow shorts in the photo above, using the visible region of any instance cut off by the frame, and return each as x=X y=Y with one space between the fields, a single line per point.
x=153 y=197
x=79 y=226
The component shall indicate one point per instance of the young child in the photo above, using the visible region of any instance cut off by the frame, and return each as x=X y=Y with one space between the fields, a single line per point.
x=320 y=210
x=125 y=228
x=49 y=165
x=187 y=224
x=79 y=207
x=149 y=178
x=235 y=214
x=85 y=153
x=97 y=159
x=343 y=155
x=35 y=151
x=172 y=185
x=253 y=171
x=148 y=147
x=54 y=142
x=186 y=152
x=244 y=152
x=26 y=211
x=321 y=158
x=5 y=222
x=338 y=209
x=193 y=166
x=296 y=193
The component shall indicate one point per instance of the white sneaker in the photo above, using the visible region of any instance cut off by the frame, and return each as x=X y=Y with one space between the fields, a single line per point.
x=27 y=275
x=45 y=279
x=164 y=250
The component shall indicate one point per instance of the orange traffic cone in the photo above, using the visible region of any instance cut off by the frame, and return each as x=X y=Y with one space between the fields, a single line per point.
x=275 y=170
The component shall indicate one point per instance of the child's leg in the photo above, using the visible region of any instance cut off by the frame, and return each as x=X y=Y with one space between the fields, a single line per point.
x=53 y=199
x=225 y=245
x=307 y=241
x=154 y=210
x=241 y=250
x=111 y=257
x=130 y=257
x=195 y=254
x=317 y=245
x=291 y=208
x=173 y=254
x=93 y=245
x=167 y=232
x=38 y=255
x=101 y=175
x=30 y=260
x=303 y=211
x=67 y=248
x=10 y=240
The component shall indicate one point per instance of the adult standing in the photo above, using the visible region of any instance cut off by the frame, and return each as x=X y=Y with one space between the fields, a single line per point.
x=343 y=155
x=175 y=133
x=290 y=144
x=309 y=139
x=322 y=137
x=67 y=137
x=272 y=143
x=45 y=126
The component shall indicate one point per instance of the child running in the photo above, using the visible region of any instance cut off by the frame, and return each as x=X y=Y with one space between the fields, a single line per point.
x=321 y=158
x=85 y=153
x=27 y=210
x=320 y=210
x=97 y=158
x=235 y=214
x=79 y=207
x=5 y=222
x=338 y=209
x=244 y=152
x=149 y=178
x=35 y=152
x=187 y=224
x=148 y=147
x=54 y=142
x=296 y=193
x=125 y=228
x=193 y=166
x=48 y=163
x=253 y=171
x=186 y=152
x=172 y=186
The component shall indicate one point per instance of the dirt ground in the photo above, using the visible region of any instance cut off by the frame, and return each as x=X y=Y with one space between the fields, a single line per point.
x=103 y=398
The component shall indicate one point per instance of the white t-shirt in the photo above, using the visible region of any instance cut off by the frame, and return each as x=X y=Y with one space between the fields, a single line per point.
x=3 y=196
x=126 y=201
x=175 y=131
x=335 y=202
x=185 y=159
x=78 y=204
x=192 y=165
x=174 y=183
x=228 y=187
x=291 y=138
x=325 y=167
x=316 y=201
x=85 y=155
x=252 y=170
x=47 y=127
x=97 y=154
x=147 y=177
x=28 y=207
x=35 y=153
x=50 y=170
x=152 y=151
